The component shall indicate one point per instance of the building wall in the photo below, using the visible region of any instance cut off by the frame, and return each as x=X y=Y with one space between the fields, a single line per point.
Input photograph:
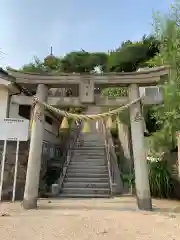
x=154 y=91
x=4 y=95
x=51 y=149
x=51 y=131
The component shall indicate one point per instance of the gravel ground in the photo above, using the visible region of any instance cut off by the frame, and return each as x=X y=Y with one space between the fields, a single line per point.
x=75 y=219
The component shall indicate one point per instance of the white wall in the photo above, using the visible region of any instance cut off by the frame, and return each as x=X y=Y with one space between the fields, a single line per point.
x=152 y=91
x=3 y=102
x=13 y=110
x=51 y=131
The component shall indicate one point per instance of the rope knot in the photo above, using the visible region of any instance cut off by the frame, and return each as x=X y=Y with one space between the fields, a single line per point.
x=35 y=101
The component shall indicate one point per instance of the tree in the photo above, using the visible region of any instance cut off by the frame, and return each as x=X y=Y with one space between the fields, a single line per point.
x=35 y=66
x=82 y=61
x=168 y=114
x=50 y=63
x=132 y=55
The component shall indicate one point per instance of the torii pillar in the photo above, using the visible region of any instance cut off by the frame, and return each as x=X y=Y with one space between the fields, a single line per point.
x=140 y=162
x=34 y=161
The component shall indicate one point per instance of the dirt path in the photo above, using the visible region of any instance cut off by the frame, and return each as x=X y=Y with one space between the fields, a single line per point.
x=113 y=219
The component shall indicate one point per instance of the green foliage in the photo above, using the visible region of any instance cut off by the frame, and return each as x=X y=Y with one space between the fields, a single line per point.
x=36 y=66
x=128 y=57
x=114 y=92
x=129 y=179
x=150 y=119
x=160 y=179
x=52 y=63
x=168 y=114
x=83 y=61
x=114 y=133
x=132 y=55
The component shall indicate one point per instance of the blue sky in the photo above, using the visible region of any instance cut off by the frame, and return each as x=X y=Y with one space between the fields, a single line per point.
x=29 y=28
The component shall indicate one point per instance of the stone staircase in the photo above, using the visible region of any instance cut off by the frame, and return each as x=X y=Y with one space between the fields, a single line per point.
x=87 y=173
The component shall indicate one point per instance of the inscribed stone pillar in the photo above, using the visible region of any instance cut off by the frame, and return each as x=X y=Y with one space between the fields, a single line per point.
x=178 y=160
x=123 y=134
x=86 y=91
x=35 y=151
x=139 y=153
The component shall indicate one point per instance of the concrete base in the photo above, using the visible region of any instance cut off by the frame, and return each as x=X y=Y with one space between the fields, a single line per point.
x=116 y=190
x=55 y=189
x=144 y=204
x=30 y=204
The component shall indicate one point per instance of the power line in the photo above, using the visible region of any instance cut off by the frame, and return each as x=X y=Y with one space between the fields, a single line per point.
x=1 y=52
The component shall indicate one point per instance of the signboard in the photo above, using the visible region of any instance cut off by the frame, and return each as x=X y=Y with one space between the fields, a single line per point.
x=14 y=129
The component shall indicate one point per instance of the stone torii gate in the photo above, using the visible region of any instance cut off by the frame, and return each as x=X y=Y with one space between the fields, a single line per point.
x=84 y=85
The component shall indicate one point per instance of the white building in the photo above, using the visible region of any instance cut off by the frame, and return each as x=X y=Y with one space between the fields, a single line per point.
x=9 y=107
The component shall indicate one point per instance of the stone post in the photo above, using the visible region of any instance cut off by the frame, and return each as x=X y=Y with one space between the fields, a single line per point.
x=178 y=160
x=35 y=151
x=140 y=162
x=123 y=135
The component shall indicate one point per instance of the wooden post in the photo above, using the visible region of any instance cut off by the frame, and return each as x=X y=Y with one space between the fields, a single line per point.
x=34 y=162
x=140 y=162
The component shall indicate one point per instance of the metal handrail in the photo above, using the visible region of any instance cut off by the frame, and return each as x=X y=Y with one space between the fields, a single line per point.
x=68 y=154
x=108 y=158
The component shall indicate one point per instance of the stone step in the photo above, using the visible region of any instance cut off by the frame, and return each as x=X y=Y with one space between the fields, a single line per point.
x=86 y=175
x=90 y=150
x=86 y=185
x=90 y=147
x=86 y=179
x=91 y=135
x=88 y=156
x=77 y=195
x=89 y=159
x=92 y=138
x=91 y=142
x=87 y=164
x=86 y=190
x=85 y=167
x=95 y=141
x=88 y=153
x=88 y=140
x=87 y=170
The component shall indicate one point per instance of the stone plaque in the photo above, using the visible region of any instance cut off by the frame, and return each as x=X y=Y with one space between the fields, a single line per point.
x=87 y=91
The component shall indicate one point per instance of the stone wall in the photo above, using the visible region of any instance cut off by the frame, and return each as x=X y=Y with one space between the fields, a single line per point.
x=51 y=154
x=9 y=169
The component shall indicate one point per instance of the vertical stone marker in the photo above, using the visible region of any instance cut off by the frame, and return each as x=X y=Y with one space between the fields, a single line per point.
x=140 y=162
x=34 y=161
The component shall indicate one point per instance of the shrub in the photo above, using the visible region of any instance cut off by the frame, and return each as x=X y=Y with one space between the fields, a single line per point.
x=161 y=179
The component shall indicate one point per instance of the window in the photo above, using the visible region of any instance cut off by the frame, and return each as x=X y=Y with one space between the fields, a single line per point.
x=25 y=111
x=152 y=91
x=48 y=120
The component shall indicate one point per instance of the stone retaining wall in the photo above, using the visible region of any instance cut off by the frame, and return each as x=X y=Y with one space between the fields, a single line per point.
x=9 y=169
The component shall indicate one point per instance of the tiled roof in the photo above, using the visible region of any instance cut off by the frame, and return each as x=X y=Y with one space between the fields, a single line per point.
x=6 y=76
